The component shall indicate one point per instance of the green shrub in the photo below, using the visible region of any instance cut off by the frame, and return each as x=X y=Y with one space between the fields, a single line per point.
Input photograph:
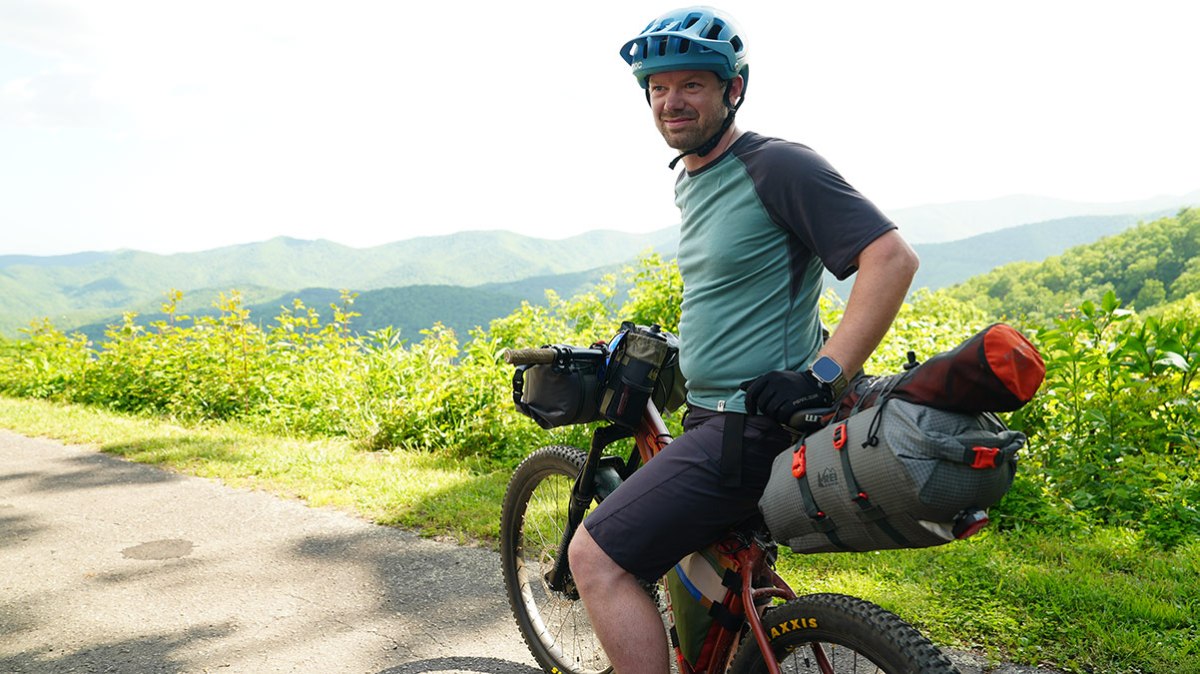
x=1112 y=437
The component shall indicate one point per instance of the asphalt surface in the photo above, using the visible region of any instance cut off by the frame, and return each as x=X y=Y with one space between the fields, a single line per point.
x=111 y=566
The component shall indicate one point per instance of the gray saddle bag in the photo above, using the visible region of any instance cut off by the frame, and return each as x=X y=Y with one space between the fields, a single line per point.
x=897 y=475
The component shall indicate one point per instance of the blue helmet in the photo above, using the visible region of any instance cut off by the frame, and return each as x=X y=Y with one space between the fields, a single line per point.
x=692 y=38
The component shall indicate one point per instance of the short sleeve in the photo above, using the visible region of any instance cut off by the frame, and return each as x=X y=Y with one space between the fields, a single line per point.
x=803 y=194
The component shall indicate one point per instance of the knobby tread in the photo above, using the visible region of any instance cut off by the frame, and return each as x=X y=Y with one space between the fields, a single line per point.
x=559 y=461
x=864 y=629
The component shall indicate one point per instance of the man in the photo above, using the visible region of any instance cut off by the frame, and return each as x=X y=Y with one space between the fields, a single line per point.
x=760 y=218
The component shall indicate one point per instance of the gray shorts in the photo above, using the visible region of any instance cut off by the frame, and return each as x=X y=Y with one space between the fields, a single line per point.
x=675 y=504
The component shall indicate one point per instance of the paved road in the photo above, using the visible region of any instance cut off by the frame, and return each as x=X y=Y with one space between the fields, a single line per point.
x=109 y=566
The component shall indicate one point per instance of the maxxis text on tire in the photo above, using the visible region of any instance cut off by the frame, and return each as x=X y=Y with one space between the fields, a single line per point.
x=838 y=633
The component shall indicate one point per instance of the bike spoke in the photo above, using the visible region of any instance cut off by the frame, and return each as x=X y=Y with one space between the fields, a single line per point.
x=825 y=658
x=558 y=622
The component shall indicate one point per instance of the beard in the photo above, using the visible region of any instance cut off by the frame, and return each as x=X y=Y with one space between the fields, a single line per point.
x=694 y=135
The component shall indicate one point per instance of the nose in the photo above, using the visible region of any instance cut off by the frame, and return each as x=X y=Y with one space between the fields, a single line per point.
x=672 y=101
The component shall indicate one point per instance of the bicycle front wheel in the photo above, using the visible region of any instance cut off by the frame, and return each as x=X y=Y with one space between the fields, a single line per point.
x=553 y=623
x=836 y=634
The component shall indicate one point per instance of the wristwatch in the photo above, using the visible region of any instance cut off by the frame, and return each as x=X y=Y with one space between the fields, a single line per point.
x=828 y=372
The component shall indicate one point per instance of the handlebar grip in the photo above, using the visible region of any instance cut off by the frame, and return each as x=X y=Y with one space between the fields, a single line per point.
x=529 y=356
x=809 y=420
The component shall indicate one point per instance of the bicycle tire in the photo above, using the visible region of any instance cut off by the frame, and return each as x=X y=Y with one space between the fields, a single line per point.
x=554 y=625
x=852 y=634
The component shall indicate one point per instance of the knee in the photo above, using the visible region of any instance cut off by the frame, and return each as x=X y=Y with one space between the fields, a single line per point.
x=587 y=559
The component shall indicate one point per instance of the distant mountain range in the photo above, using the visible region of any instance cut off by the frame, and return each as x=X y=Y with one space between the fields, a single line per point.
x=946 y=264
x=469 y=278
x=939 y=223
x=86 y=287
x=411 y=309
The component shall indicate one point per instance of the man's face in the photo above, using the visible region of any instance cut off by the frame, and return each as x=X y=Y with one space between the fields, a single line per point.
x=688 y=106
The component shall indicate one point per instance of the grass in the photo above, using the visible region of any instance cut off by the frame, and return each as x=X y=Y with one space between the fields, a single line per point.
x=1095 y=602
x=434 y=495
x=1102 y=603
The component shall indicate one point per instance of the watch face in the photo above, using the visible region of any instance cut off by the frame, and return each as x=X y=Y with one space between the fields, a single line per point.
x=826 y=369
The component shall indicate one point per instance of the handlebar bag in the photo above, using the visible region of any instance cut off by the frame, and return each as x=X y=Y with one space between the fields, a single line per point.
x=556 y=395
x=639 y=355
x=897 y=475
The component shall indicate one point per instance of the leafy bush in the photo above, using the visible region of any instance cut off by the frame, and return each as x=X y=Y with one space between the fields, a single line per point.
x=1112 y=432
x=44 y=364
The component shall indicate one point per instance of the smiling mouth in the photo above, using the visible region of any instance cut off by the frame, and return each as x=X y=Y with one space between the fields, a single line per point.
x=675 y=121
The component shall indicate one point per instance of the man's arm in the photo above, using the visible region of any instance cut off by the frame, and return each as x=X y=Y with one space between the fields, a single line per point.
x=885 y=271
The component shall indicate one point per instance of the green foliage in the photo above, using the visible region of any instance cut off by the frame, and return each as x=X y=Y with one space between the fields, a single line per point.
x=950 y=262
x=1112 y=433
x=309 y=376
x=42 y=365
x=657 y=294
x=1095 y=601
x=92 y=287
x=1143 y=267
x=928 y=324
x=1111 y=465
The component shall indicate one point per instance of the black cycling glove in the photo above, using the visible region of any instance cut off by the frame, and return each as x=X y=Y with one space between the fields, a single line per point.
x=782 y=393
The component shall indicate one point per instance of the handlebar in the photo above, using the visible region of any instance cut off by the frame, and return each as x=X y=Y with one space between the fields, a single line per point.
x=530 y=356
x=802 y=421
x=552 y=355
x=809 y=420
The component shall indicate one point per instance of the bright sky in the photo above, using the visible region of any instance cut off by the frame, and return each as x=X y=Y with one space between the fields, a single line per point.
x=174 y=126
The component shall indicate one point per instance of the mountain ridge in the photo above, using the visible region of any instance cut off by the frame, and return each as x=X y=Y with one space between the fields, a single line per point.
x=944 y=223
x=88 y=284
x=85 y=288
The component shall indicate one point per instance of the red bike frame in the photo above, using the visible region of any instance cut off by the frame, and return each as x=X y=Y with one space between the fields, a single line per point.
x=750 y=557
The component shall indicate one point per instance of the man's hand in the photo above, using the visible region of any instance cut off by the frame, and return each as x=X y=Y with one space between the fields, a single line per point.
x=781 y=393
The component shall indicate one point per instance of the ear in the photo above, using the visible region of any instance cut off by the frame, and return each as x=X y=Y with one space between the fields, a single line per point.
x=733 y=94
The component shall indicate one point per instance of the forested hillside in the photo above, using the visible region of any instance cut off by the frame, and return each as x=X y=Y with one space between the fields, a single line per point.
x=952 y=262
x=471 y=278
x=409 y=309
x=75 y=290
x=1144 y=267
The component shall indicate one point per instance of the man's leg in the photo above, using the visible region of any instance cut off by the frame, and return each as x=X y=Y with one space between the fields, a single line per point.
x=623 y=615
x=672 y=506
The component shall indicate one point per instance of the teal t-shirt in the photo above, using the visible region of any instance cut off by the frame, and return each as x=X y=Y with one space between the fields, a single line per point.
x=757 y=226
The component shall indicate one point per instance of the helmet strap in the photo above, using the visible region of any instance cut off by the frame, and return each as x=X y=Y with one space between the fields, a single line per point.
x=707 y=146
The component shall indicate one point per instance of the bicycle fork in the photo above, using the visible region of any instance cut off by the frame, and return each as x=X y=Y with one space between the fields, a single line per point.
x=598 y=476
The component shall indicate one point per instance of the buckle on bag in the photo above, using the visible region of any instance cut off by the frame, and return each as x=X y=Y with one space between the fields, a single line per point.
x=984 y=457
x=839 y=436
x=799 y=462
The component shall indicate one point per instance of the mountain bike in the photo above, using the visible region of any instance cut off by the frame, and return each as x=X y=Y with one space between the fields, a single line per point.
x=765 y=626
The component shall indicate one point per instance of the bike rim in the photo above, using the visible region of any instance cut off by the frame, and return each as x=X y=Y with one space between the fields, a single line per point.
x=820 y=657
x=560 y=624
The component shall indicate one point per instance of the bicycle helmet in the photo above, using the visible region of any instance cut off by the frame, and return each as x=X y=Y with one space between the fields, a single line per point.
x=692 y=38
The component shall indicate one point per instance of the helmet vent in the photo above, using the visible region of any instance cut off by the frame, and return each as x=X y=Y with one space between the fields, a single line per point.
x=685 y=46
x=714 y=31
x=736 y=42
